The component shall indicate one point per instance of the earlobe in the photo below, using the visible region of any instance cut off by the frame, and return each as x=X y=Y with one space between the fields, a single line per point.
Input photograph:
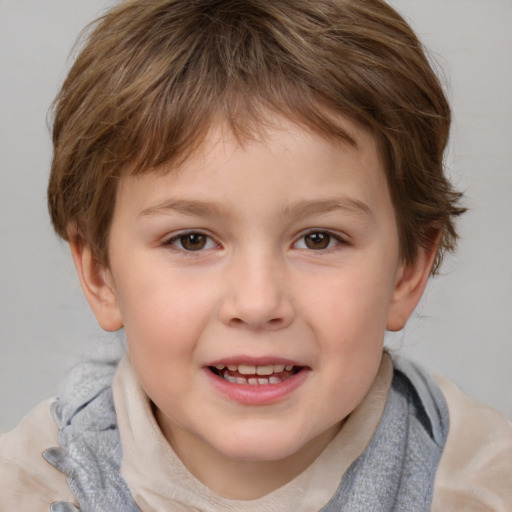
x=97 y=285
x=410 y=284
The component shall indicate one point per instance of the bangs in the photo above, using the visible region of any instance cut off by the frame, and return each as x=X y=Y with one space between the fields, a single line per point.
x=153 y=76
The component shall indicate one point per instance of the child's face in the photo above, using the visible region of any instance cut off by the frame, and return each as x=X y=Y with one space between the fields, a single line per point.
x=279 y=254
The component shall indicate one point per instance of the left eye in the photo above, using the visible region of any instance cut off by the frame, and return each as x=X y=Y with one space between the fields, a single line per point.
x=192 y=242
x=317 y=240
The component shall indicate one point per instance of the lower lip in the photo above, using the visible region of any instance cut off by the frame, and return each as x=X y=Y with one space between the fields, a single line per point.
x=258 y=394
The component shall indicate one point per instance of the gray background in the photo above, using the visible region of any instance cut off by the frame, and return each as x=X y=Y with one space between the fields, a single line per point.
x=463 y=327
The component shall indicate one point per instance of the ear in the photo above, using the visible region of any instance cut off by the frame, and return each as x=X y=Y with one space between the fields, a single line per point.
x=96 y=282
x=410 y=284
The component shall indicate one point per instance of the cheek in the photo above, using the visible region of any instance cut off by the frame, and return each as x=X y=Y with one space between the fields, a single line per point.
x=163 y=327
x=164 y=312
x=351 y=336
x=354 y=308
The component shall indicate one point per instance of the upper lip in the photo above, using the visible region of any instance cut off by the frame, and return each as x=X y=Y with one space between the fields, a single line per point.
x=254 y=361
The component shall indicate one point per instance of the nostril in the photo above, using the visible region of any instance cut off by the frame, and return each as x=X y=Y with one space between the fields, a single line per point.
x=271 y=323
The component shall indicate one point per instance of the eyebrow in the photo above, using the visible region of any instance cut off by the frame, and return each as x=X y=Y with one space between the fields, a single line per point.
x=347 y=205
x=300 y=209
x=185 y=207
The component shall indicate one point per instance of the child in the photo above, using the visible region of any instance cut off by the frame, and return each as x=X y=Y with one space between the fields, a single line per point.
x=254 y=191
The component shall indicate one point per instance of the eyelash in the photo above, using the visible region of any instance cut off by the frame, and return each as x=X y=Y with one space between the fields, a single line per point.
x=327 y=238
x=181 y=237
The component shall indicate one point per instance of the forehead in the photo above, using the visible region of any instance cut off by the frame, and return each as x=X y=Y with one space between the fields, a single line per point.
x=281 y=160
x=221 y=140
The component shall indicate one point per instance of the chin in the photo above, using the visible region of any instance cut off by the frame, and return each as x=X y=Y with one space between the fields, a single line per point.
x=260 y=449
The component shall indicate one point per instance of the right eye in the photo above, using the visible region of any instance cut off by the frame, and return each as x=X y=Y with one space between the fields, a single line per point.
x=192 y=242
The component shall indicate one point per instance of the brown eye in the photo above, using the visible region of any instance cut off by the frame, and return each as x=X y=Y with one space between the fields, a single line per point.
x=193 y=241
x=317 y=240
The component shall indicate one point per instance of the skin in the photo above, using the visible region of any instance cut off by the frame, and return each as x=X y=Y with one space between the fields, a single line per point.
x=297 y=259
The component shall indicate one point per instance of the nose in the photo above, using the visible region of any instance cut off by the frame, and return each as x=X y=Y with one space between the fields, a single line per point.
x=257 y=294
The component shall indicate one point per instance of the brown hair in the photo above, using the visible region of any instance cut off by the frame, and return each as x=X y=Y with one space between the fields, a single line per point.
x=154 y=74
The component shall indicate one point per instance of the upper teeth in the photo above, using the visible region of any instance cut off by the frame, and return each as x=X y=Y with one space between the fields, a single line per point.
x=249 y=369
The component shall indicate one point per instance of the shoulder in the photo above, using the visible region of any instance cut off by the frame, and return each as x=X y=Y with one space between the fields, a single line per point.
x=475 y=472
x=27 y=481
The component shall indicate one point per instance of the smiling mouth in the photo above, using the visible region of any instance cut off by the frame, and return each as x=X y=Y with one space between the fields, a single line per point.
x=253 y=375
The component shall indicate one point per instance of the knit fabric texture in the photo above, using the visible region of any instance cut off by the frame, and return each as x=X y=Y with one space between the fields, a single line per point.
x=396 y=472
x=90 y=451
